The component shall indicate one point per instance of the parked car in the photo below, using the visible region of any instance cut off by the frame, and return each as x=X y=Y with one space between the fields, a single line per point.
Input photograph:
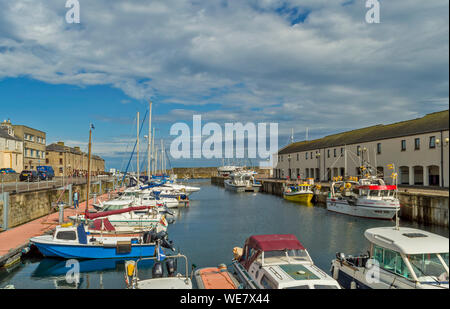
x=7 y=171
x=28 y=175
x=45 y=172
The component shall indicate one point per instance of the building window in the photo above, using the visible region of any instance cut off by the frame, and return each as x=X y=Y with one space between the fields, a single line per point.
x=328 y=153
x=403 y=145
x=297 y=156
x=60 y=169
x=342 y=151
x=60 y=161
x=432 y=141
x=334 y=152
x=417 y=144
x=306 y=156
x=311 y=155
x=379 y=148
x=358 y=150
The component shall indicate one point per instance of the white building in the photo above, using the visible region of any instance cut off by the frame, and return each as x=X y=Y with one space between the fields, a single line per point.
x=418 y=148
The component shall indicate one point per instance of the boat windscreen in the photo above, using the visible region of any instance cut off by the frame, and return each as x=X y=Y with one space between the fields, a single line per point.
x=428 y=264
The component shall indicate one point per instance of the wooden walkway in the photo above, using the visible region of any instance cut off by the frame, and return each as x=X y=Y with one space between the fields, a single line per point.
x=14 y=240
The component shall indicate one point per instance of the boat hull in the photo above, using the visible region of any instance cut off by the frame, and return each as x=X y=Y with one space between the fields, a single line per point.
x=382 y=212
x=299 y=197
x=78 y=251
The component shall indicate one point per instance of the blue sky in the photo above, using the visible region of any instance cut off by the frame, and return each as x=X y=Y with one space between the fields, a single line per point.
x=301 y=63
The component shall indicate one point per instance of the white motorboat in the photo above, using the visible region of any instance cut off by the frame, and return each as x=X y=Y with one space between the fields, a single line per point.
x=399 y=258
x=368 y=197
x=172 y=280
x=278 y=262
x=242 y=181
x=142 y=217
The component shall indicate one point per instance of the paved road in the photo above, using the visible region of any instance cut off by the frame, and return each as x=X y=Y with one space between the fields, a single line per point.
x=54 y=183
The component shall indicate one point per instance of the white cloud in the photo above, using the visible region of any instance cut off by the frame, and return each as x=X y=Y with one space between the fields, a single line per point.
x=243 y=56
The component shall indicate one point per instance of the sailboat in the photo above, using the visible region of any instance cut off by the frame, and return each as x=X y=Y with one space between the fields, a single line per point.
x=73 y=241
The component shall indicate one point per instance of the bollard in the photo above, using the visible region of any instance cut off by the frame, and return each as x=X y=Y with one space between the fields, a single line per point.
x=61 y=213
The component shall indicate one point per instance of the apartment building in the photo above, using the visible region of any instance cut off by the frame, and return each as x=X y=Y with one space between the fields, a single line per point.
x=418 y=149
x=33 y=145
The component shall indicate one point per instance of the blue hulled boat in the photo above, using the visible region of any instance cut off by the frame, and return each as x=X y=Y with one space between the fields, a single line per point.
x=75 y=243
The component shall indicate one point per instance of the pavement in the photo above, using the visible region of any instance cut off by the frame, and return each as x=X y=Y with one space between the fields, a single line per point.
x=13 y=240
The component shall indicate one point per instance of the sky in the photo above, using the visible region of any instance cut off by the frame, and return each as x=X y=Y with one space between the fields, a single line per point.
x=313 y=64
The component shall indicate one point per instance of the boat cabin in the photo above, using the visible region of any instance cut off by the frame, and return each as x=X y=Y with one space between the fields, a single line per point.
x=417 y=255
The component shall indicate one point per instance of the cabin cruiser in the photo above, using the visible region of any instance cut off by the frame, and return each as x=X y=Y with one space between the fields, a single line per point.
x=173 y=280
x=399 y=258
x=242 y=181
x=74 y=241
x=278 y=262
x=131 y=218
x=368 y=197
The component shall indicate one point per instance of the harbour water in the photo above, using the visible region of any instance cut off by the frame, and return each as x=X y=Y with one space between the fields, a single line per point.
x=206 y=232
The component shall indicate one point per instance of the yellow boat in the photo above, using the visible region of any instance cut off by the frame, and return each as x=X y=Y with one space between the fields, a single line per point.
x=299 y=193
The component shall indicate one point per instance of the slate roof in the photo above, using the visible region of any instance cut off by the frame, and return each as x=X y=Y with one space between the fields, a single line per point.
x=60 y=148
x=4 y=134
x=433 y=122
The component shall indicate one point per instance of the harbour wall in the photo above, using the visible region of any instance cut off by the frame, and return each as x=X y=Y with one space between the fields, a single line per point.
x=204 y=172
x=27 y=206
x=422 y=207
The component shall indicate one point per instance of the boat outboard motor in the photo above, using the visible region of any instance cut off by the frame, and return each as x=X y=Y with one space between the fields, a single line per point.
x=171 y=265
x=157 y=270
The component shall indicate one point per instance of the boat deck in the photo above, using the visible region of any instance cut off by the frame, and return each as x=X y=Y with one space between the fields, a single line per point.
x=14 y=240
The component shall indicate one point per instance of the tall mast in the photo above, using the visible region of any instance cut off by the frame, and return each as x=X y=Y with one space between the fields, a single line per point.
x=137 y=150
x=153 y=152
x=89 y=170
x=162 y=157
x=149 y=140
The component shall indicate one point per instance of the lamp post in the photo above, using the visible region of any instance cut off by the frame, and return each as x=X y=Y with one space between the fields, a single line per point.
x=318 y=162
x=442 y=145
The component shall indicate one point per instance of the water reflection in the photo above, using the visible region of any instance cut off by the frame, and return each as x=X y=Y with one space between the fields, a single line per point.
x=206 y=232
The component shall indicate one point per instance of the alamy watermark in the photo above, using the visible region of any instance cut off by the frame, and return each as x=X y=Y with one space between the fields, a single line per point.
x=73 y=14
x=373 y=14
x=233 y=139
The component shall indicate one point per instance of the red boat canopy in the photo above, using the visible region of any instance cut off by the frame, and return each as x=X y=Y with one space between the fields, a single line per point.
x=375 y=188
x=274 y=242
x=114 y=212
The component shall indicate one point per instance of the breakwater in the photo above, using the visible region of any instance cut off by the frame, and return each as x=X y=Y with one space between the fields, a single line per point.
x=423 y=206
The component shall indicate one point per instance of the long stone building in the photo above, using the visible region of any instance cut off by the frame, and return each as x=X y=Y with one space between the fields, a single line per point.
x=418 y=148
x=71 y=161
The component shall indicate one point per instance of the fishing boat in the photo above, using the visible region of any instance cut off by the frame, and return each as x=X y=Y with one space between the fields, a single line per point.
x=216 y=278
x=399 y=258
x=299 y=192
x=242 y=181
x=172 y=280
x=278 y=262
x=368 y=197
x=73 y=242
